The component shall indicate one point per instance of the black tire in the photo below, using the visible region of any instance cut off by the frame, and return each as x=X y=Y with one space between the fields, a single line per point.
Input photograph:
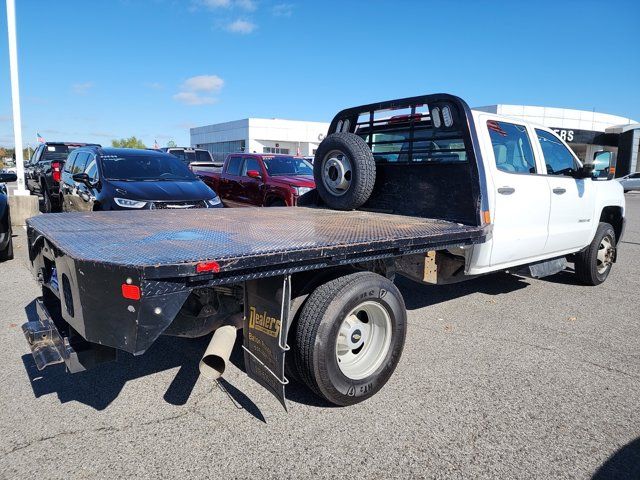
x=360 y=178
x=276 y=202
x=588 y=269
x=7 y=253
x=47 y=206
x=316 y=335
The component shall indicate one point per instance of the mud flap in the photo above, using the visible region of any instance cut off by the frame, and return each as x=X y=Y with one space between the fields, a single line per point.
x=266 y=323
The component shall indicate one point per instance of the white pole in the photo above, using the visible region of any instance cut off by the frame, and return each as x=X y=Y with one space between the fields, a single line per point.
x=15 y=95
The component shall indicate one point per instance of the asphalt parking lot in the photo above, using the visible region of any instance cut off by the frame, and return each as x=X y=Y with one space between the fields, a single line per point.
x=501 y=377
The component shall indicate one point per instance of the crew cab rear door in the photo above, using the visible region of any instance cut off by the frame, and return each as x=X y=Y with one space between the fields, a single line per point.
x=572 y=199
x=521 y=204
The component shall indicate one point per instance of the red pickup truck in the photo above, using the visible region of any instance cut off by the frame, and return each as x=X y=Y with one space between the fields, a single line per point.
x=253 y=179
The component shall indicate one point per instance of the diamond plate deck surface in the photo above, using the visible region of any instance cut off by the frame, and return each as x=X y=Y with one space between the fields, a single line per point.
x=153 y=238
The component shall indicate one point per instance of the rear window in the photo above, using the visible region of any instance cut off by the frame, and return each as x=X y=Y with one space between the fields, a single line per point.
x=148 y=167
x=203 y=156
x=411 y=138
x=57 y=152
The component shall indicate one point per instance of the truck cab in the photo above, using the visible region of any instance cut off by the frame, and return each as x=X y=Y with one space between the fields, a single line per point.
x=541 y=206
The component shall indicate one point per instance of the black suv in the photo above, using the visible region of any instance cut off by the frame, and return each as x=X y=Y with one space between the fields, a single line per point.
x=96 y=178
x=44 y=170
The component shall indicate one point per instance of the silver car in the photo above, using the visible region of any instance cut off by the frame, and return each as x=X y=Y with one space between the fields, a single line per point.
x=630 y=182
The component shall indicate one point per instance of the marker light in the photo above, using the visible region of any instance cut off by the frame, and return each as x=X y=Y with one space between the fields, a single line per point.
x=131 y=292
x=435 y=117
x=446 y=116
x=203 y=267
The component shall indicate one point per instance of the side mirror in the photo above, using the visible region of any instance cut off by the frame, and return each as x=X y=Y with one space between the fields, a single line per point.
x=586 y=171
x=603 y=167
x=82 y=178
x=253 y=174
x=8 y=177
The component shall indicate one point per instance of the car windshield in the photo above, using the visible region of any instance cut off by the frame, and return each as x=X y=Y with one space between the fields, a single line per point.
x=287 y=166
x=147 y=167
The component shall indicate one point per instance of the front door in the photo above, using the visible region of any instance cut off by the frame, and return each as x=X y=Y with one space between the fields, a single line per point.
x=249 y=191
x=521 y=209
x=572 y=199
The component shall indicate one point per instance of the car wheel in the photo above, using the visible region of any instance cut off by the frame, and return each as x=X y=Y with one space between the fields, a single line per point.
x=594 y=263
x=7 y=253
x=277 y=203
x=46 y=201
x=344 y=171
x=349 y=337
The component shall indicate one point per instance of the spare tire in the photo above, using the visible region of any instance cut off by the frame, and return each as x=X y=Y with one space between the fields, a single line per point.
x=344 y=170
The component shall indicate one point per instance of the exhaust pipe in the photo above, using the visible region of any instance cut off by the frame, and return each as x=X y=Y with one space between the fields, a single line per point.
x=216 y=356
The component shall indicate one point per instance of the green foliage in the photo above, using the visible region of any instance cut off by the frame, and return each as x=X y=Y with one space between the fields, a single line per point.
x=131 y=142
x=171 y=144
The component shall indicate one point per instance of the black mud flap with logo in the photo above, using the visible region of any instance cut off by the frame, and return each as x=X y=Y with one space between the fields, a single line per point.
x=266 y=322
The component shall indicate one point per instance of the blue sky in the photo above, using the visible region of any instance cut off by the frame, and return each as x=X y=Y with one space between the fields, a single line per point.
x=97 y=70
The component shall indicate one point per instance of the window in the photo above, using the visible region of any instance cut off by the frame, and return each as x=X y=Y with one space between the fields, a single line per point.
x=287 y=166
x=203 y=156
x=511 y=147
x=80 y=163
x=233 y=167
x=56 y=152
x=69 y=163
x=284 y=151
x=92 y=169
x=557 y=157
x=406 y=138
x=250 y=163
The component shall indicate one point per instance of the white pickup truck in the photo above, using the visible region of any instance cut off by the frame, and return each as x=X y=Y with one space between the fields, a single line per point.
x=421 y=187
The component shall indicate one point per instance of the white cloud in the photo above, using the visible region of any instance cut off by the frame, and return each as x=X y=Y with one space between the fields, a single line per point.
x=194 y=89
x=248 y=5
x=282 y=10
x=203 y=83
x=82 y=88
x=193 y=98
x=242 y=27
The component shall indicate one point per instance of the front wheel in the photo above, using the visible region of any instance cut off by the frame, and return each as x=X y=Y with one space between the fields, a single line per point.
x=349 y=337
x=594 y=263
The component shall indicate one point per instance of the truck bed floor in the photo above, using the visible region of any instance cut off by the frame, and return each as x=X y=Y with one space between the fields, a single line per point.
x=241 y=238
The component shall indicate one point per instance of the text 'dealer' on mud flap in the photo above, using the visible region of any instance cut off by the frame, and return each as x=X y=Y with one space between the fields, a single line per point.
x=266 y=323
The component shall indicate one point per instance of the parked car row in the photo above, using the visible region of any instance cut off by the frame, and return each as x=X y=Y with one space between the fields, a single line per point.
x=6 y=244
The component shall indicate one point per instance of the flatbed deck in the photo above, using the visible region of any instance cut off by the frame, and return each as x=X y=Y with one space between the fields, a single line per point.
x=170 y=243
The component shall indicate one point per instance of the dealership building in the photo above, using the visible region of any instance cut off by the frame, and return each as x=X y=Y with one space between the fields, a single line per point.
x=587 y=132
x=260 y=135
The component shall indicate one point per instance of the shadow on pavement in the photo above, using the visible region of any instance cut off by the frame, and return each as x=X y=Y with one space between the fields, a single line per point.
x=622 y=465
x=417 y=295
x=100 y=386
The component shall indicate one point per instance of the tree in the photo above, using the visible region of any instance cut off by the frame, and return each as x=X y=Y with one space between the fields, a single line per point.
x=131 y=142
x=171 y=144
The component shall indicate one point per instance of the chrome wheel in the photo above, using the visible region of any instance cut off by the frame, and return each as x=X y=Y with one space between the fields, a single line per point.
x=604 y=259
x=336 y=172
x=363 y=340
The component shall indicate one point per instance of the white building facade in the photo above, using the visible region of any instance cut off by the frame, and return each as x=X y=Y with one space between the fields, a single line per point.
x=260 y=135
x=587 y=132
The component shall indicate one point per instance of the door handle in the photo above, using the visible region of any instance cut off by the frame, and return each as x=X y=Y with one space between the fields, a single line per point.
x=506 y=190
x=559 y=191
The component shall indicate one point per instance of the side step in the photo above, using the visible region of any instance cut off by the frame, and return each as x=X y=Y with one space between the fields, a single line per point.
x=546 y=267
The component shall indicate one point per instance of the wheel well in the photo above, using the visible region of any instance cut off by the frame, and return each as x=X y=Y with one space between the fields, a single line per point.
x=274 y=198
x=613 y=216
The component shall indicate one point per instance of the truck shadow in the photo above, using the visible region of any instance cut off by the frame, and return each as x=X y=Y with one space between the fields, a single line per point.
x=100 y=386
x=623 y=464
x=417 y=295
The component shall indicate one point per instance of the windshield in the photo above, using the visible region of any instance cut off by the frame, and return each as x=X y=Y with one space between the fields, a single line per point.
x=57 y=152
x=148 y=167
x=287 y=166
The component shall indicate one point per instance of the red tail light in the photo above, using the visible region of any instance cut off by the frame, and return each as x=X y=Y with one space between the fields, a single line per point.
x=131 y=292
x=55 y=167
x=203 y=267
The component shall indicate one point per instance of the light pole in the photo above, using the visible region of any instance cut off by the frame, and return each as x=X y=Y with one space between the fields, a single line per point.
x=15 y=96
